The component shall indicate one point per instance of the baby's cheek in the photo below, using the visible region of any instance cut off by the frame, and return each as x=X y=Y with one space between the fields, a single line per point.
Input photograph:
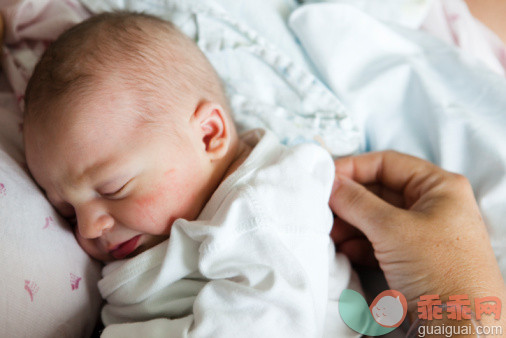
x=146 y=212
x=145 y=204
x=153 y=211
x=171 y=198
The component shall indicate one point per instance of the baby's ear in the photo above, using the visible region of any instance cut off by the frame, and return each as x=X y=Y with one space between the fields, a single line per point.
x=212 y=127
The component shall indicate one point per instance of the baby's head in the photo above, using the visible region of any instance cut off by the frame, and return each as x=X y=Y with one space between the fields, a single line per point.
x=126 y=128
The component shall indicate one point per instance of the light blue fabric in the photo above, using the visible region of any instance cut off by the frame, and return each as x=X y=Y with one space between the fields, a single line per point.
x=413 y=93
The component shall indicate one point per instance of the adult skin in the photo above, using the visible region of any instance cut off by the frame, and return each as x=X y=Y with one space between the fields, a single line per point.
x=424 y=224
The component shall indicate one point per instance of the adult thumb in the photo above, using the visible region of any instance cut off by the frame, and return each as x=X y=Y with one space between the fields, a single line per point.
x=353 y=203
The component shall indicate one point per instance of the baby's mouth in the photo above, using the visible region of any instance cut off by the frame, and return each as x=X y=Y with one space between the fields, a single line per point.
x=126 y=248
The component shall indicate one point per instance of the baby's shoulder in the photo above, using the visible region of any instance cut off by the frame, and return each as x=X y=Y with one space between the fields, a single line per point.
x=298 y=166
x=270 y=156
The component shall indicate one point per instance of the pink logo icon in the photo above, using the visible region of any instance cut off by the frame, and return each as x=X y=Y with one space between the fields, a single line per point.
x=2 y=189
x=49 y=223
x=31 y=288
x=74 y=281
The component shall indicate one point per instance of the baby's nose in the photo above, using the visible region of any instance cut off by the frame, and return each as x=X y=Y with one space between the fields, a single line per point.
x=94 y=226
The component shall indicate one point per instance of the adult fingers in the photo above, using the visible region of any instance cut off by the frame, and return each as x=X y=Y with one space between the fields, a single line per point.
x=359 y=251
x=353 y=243
x=393 y=197
x=408 y=175
x=391 y=168
x=343 y=231
x=354 y=204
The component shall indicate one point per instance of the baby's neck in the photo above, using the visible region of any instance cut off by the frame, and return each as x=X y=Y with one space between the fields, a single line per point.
x=242 y=152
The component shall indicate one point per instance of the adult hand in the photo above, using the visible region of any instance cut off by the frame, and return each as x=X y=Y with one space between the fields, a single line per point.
x=424 y=225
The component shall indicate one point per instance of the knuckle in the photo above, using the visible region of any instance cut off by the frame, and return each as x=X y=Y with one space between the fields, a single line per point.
x=355 y=197
x=460 y=179
x=461 y=182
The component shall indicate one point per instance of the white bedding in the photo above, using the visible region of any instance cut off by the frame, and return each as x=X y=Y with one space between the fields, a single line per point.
x=383 y=85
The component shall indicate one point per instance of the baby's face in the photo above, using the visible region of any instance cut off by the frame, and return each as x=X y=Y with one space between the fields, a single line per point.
x=124 y=183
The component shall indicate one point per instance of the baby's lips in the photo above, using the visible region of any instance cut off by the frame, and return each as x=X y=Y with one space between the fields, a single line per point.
x=123 y=249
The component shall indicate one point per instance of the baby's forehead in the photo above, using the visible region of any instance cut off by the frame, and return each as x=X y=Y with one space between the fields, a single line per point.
x=95 y=114
x=110 y=109
x=74 y=139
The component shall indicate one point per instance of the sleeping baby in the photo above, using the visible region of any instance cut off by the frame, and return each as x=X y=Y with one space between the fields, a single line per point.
x=204 y=232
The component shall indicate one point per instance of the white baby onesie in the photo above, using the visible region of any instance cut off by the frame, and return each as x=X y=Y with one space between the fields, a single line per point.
x=258 y=261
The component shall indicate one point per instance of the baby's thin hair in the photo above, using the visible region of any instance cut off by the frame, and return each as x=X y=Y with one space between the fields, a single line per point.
x=138 y=51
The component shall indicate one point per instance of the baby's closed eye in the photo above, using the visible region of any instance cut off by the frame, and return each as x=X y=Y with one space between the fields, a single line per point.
x=113 y=191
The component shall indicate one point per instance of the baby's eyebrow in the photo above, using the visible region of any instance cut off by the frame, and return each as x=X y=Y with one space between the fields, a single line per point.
x=105 y=173
x=97 y=171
